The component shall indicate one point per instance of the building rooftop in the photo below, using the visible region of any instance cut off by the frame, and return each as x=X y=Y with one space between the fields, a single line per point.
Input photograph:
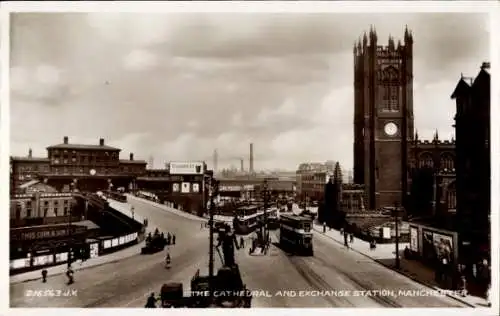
x=83 y=146
x=29 y=159
x=124 y=161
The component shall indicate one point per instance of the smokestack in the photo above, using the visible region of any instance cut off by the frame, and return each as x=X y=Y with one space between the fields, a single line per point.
x=30 y=153
x=131 y=156
x=101 y=142
x=251 y=158
x=241 y=161
x=216 y=158
x=65 y=140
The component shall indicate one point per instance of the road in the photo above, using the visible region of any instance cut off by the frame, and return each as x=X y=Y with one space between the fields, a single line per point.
x=128 y=282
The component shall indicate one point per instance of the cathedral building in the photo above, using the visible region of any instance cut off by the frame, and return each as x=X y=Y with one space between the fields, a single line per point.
x=383 y=118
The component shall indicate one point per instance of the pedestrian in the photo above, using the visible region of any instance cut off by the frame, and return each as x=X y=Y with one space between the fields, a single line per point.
x=242 y=242
x=324 y=228
x=346 y=241
x=173 y=239
x=341 y=231
x=351 y=237
x=151 y=302
x=44 y=275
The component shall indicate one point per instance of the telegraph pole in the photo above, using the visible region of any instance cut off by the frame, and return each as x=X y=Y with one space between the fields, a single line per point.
x=266 y=193
x=70 y=233
x=396 y=220
x=211 y=192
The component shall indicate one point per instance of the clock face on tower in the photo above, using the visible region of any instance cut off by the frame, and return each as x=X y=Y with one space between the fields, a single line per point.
x=391 y=129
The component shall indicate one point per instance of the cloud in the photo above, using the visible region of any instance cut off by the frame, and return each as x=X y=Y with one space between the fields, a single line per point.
x=177 y=86
x=138 y=60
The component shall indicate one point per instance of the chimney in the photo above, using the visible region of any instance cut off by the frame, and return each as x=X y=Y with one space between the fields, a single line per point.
x=65 y=140
x=30 y=153
x=101 y=142
x=131 y=156
x=486 y=65
x=251 y=158
x=241 y=161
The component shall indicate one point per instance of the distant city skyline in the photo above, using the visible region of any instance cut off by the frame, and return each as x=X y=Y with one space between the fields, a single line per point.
x=176 y=88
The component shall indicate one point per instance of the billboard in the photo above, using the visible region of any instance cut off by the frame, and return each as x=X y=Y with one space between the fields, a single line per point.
x=175 y=187
x=414 y=239
x=114 y=242
x=186 y=167
x=107 y=244
x=61 y=257
x=196 y=187
x=94 y=250
x=186 y=187
x=121 y=240
x=443 y=246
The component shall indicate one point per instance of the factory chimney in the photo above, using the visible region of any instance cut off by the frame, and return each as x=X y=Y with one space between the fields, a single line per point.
x=241 y=168
x=251 y=158
x=216 y=158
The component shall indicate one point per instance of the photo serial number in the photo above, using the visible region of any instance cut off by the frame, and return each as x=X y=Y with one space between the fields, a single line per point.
x=51 y=293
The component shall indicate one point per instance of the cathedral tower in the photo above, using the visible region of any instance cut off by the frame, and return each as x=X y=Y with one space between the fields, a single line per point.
x=383 y=117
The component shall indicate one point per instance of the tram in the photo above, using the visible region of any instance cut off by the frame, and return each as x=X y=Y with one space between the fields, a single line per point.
x=296 y=235
x=246 y=224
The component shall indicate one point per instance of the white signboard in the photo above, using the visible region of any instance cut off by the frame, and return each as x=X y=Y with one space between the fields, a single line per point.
x=196 y=187
x=186 y=186
x=94 y=250
x=386 y=232
x=414 y=239
x=134 y=236
x=61 y=257
x=186 y=168
x=121 y=241
x=19 y=263
x=175 y=187
x=114 y=242
x=107 y=244
x=230 y=188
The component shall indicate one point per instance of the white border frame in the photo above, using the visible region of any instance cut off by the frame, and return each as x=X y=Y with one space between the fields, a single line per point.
x=255 y=7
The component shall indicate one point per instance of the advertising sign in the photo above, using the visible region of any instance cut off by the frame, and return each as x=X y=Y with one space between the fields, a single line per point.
x=134 y=236
x=94 y=250
x=107 y=244
x=18 y=264
x=48 y=232
x=443 y=246
x=196 y=187
x=186 y=168
x=230 y=188
x=114 y=242
x=42 y=260
x=186 y=186
x=121 y=240
x=386 y=232
x=414 y=239
x=61 y=257
x=175 y=187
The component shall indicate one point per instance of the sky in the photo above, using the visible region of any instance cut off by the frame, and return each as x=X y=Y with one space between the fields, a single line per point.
x=177 y=86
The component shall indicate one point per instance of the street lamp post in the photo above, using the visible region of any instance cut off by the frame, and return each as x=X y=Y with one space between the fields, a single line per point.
x=70 y=233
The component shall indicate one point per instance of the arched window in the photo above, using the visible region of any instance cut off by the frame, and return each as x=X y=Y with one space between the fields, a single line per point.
x=389 y=89
x=447 y=162
x=425 y=160
x=451 y=196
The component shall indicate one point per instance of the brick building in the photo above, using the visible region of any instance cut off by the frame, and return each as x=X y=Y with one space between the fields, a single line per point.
x=25 y=169
x=87 y=167
x=383 y=117
x=311 y=180
x=472 y=129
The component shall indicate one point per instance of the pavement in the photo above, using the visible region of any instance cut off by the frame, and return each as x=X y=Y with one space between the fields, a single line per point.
x=333 y=277
x=385 y=255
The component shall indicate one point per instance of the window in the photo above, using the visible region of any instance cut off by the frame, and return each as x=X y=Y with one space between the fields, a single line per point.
x=45 y=211
x=389 y=89
x=425 y=160
x=46 y=203
x=28 y=213
x=447 y=163
x=66 y=211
